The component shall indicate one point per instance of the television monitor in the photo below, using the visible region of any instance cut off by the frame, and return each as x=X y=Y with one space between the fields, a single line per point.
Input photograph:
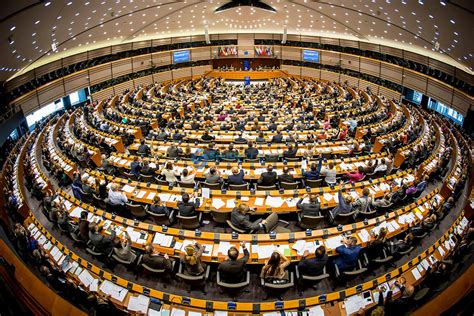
x=311 y=55
x=181 y=56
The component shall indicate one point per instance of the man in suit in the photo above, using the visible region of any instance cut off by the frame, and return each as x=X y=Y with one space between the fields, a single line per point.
x=269 y=177
x=186 y=207
x=156 y=261
x=286 y=176
x=291 y=151
x=233 y=270
x=240 y=139
x=143 y=148
x=251 y=152
x=348 y=254
x=240 y=218
x=206 y=136
x=146 y=169
x=237 y=176
x=313 y=266
x=173 y=151
x=135 y=167
x=84 y=227
x=311 y=208
x=278 y=138
x=101 y=242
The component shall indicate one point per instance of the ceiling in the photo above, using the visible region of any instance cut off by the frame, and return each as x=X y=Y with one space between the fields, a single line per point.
x=29 y=28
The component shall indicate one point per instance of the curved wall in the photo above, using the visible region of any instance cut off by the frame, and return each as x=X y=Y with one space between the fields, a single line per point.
x=441 y=91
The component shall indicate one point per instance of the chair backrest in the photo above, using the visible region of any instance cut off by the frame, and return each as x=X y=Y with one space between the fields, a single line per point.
x=188 y=222
x=343 y=218
x=137 y=210
x=159 y=219
x=292 y=159
x=239 y=187
x=214 y=186
x=147 y=178
x=266 y=187
x=229 y=159
x=86 y=197
x=314 y=183
x=220 y=217
x=311 y=221
x=161 y=182
x=289 y=185
x=234 y=228
x=186 y=185
x=271 y=222
x=271 y=158
x=251 y=160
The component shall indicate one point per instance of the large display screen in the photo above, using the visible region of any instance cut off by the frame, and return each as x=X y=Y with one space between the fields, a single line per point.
x=311 y=55
x=181 y=56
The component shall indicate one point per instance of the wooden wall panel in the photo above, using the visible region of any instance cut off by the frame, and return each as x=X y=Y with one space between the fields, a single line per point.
x=350 y=62
x=415 y=81
x=103 y=94
x=141 y=63
x=28 y=103
x=74 y=59
x=390 y=72
x=50 y=67
x=370 y=67
x=121 y=48
x=292 y=70
x=389 y=94
x=391 y=51
x=352 y=81
x=329 y=58
x=201 y=53
x=415 y=57
x=349 y=43
x=121 y=87
x=51 y=92
x=143 y=81
x=201 y=70
x=369 y=46
x=104 y=51
x=181 y=73
x=141 y=44
x=439 y=92
x=121 y=67
x=291 y=53
x=310 y=72
x=100 y=73
x=462 y=102
x=20 y=80
x=75 y=82
x=329 y=76
x=162 y=58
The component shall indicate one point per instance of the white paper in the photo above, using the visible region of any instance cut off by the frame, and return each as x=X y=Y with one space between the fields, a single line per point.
x=138 y=303
x=259 y=201
x=416 y=273
x=333 y=242
x=206 y=193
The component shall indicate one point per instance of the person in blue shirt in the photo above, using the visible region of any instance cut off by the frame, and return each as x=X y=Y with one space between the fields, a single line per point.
x=237 y=176
x=313 y=266
x=348 y=254
x=313 y=172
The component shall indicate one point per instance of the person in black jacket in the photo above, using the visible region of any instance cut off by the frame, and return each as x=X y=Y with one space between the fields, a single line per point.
x=251 y=152
x=313 y=266
x=158 y=208
x=240 y=219
x=233 y=270
x=312 y=208
x=101 y=242
x=278 y=138
x=268 y=178
x=291 y=151
x=186 y=207
x=286 y=176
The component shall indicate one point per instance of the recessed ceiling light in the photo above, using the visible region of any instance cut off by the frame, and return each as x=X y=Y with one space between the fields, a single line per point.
x=47 y=3
x=12 y=28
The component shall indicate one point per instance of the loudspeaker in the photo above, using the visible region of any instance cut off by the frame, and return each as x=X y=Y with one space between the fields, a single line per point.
x=285 y=30
x=206 y=34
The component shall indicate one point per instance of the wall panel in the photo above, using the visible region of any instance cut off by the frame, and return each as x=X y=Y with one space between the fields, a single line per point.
x=104 y=51
x=28 y=103
x=462 y=102
x=180 y=73
x=162 y=76
x=51 y=93
x=292 y=70
x=162 y=58
x=330 y=58
x=201 y=70
x=329 y=76
x=310 y=72
x=414 y=81
x=201 y=54
x=290 y=53
x=141 y=63
x=75 y=82
x=439 y=92
x=103 y=94
x=370 y=67
x=100 y=73
x=143 y=81
x=390 y=72
x=350 y=62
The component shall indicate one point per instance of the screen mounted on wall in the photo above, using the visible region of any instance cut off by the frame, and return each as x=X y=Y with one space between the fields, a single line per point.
x=181 y=56
x=311 y=55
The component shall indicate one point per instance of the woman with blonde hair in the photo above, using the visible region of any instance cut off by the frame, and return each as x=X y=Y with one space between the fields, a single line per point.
x=274 y=268
x=191 y=259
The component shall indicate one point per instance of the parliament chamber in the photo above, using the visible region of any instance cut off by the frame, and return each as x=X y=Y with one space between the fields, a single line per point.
x=277 y=172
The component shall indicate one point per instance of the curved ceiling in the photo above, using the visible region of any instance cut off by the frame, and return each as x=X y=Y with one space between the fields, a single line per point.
x=32 y=28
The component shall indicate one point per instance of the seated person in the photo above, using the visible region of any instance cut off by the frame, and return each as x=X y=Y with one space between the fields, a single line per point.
x=143 y=149
x=156 y=261
x=278 y=138
x=312 y=208
x=268 y=178
x=83 y=227
x=237 y=176
x=240 y=218
x=186 y=207
x=101 y=242
x=206 y=136
x=191 y=259
x=291 y=151
x=401 y=245
x=240 y=139
x=330 y=173
x=344 y=206
x=357 y=175
x=173 y=151
x=213 y=176
x=188 y=176
x=312 y=173
x=363 y=203
x=348 y=254
x=233 y=270
x=170 y=173
x=313 y=266
x=123 y=250
x=231 y=153
x=385 y=201
x=260 y=138
x=135 y=167
x=146 y=169
x=375 y=247
x=421 y=186
x=286 y=176
x=251 y=152
x=157 y=207
x=274 y=270
x=210 y=153
x=116 y=197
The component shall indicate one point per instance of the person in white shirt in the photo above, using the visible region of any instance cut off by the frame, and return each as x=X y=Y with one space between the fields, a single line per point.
x=115 y=196
x=187 y=176
x=382 y=167
x=170 y=172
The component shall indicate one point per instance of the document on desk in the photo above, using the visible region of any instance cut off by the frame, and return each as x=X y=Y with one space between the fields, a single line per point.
x=128 y=188
x=150 y=196
x=86 y=278
x=94 y=285
x=178 y=312
x=164 y=197
x=230 y=203
x=354 y=303
x=217 y=203
x=291 y=202
x=76 y=212
x=259 y=201
x=265 y=252
x=224 y=246
x=327 y=196
x=416 y=273
x=364 y=235
x=274 y=201
x=206 y=193
x=316 y=311
x=333 y=242
x=115 y=291
x=138 y=303
x=141 y=194
x=299 y=246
